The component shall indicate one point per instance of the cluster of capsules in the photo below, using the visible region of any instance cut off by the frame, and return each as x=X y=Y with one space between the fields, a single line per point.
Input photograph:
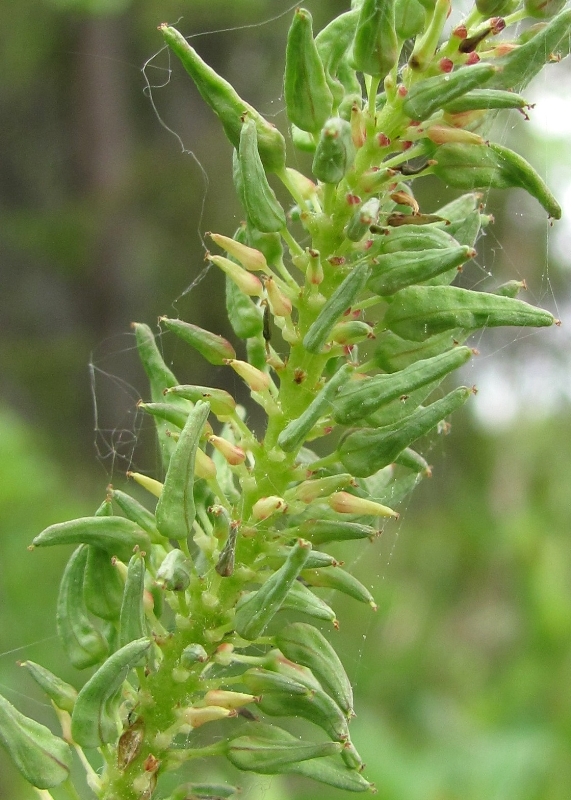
x=208 y=609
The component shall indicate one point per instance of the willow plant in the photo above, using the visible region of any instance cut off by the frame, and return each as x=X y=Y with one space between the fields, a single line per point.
x=206 y=613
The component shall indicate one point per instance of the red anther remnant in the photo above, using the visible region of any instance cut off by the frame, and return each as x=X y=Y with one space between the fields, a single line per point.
x=406 y=145
x=353 y=199
x=336 y=261
x=402 y=91
x=368 y=244
x=473 y=58
x=383 y=140
x=497 y=24
x=461 y=32
x=446 y=65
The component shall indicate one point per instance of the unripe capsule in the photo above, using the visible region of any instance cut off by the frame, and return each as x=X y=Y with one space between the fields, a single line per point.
x=308 y=98
x=174 y=572
x=375 y=47
x=226 y=103
x=43 y=759
x=214 y=348
x=335 y=151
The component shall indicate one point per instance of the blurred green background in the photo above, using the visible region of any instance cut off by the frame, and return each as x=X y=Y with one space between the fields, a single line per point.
x=462 y=677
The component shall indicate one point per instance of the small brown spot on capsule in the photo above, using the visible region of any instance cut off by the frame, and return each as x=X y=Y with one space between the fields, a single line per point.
x=473 y=58
x=299 y=376
x=402 y=91
x=353 y=199
x=445 y=65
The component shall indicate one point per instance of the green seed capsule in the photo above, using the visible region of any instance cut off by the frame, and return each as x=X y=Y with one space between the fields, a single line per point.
x=365 y=451
x=244 y=315
x=457 y=211
x=414 y=461
x=176 y=508
x=212 y=347
x=362 y=398
x=43 y=759
x=95 y=718
x=308 y=98
x=414 y=237
x=255 y=611
x=82 y=642
x=305 y=645
x=193 y=654
x=132 y=622
x=517 y=68
x=303 y=140
x=332 y=43
x=262 y=206
x=543 y=9
x=419 y=312
x=431 y=94
x=116 y=535
x=485 y=99
x=352 y=332
x=260 y=681
x=351 y=757
x=395 y=271
x=409 y=19
x=332 y=772
x=494 y=8
x=102 y=585
x=256 y=352
x=61 y=694
x=510 y=288
x=270 y=244
x=208 y=791
x=323 y=531
x=335 y=151
x=491 y=166
x=136 y=512
x=276 y=662
x=362 y=220
x=342 y=298
x=466 y=233
x=401 y=408
x=342 y=581
x=166 y=412
x=315 y=706
x=278 y=554
x=160 y=377
x=296 y=431
x=269 y=756
x=221 y=402
x=304 y=601
x=375 y=47
x=394 y=352
x=317 y=488
x=226 y=103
